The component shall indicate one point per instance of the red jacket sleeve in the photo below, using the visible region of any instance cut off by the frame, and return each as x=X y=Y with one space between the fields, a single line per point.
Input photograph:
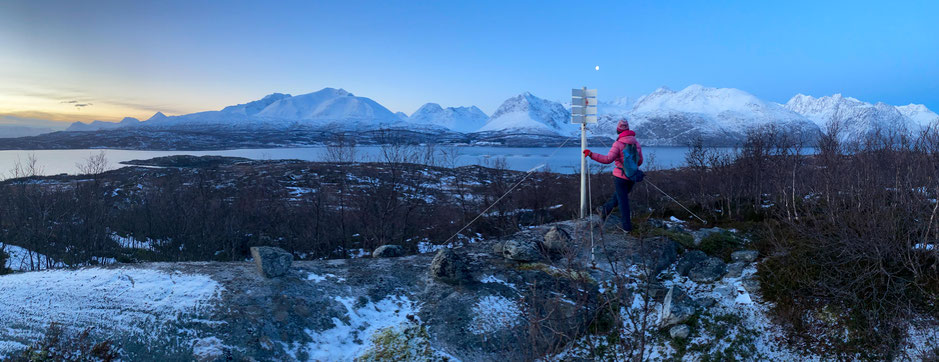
x=615 y=153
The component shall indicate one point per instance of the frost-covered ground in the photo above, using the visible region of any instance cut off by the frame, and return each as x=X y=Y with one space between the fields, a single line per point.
x=122 y=301
x=21 y=259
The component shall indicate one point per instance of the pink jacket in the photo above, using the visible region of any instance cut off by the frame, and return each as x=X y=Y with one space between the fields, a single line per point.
x=616 y=153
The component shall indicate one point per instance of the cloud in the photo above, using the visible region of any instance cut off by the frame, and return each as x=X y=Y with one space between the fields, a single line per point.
x=80 y=105
x=69 y=102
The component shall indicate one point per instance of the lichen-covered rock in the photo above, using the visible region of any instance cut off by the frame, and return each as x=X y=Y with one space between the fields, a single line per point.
x=271 y=262
x=708 y=271
x=746 y=256
x=680 y=331
x=521 y=250
x=677 y=308
x=497 y=247
x=388 y=251
x=751 y=285
x=449 y=267
x=734 y=270
x=689 y=260
x=557 y=241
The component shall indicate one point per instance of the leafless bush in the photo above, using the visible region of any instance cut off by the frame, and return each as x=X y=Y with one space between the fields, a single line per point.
x=343 y=149
x=95 y=164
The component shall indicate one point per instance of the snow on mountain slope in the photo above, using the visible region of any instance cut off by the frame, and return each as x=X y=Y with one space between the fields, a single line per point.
x=919 y=115
x=716 y=115
x=857 y=118
x=329 y=106
x=102 y=125
x=402 y=116
x=526 y=113
x=460 y=119
x=252 y=108
x=156 y=116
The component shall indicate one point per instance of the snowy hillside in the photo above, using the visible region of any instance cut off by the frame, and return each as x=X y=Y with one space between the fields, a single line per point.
x=527 y=114
x=460 y=119
x=919 y=115
x=101 y=125
x=716 y=115
x=328 y=107
x=857 y=118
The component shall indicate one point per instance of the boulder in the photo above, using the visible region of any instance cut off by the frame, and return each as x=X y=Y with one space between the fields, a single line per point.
x=497 y=247
x=706 y=302
x=700 y=234
x=708 y=271
x=751 y=285
x=449 y=267
x=688 y=260
x=734 y=270
x=655 y=290
x=746 y=256
x=680 y=331
x=656 y=254
x=271 y=262
x=521 y=250
x=657 y=224
x=557 y=241
x=388 y=251
x=677 y=308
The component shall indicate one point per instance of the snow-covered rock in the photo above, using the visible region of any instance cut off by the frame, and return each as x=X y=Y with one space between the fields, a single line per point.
x=528 y=114
x=460 y=119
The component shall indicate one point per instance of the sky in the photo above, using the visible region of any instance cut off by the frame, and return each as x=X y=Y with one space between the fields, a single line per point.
x=64 y=61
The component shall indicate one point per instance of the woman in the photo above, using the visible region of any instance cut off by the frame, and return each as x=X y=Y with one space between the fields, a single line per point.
x=626 y=146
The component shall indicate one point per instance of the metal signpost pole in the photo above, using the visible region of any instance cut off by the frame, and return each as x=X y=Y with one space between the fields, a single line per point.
x=583 y=111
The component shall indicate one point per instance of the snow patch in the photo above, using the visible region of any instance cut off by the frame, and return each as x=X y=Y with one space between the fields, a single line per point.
x=493 y=313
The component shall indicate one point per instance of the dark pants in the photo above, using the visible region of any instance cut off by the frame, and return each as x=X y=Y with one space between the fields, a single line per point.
x=621 y=198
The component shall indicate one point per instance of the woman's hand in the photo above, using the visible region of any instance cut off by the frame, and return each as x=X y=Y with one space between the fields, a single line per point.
x=587 y=153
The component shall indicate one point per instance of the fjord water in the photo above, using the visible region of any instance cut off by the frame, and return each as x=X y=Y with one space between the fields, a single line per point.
x=563 y=160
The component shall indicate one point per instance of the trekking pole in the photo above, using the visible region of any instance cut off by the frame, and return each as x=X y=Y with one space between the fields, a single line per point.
x=676 y=201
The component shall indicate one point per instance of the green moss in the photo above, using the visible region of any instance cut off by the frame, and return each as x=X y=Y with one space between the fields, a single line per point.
x=726 y=339
x=684 y=239
x=574 y=275
x=720 y=244
x=412 y=343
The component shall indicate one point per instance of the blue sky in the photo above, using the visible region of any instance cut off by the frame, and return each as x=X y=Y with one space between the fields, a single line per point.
x=133 y=58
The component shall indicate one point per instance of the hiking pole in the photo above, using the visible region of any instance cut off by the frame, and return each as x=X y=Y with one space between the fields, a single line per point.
x=676 y=201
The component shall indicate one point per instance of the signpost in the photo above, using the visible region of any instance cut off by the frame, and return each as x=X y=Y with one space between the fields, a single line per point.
x=583 y=111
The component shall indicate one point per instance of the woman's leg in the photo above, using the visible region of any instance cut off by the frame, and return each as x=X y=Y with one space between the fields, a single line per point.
x=614 y=200
x=623 y=187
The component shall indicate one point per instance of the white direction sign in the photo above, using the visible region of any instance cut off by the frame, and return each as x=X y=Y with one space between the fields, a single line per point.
x=583 y=105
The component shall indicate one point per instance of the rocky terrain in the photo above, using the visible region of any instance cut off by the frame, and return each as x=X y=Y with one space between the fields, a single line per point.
x=538 y=294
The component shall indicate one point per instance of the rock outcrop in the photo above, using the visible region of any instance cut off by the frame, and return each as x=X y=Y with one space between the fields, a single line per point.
x=271 y=262
x=388 y=251
x=449 y=267
x=677 y=308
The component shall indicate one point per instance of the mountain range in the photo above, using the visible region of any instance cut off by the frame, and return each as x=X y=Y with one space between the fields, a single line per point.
x=719 y=116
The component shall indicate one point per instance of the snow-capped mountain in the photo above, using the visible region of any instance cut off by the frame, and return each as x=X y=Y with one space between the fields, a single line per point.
x=919 y=115
x=716 y=115
x=328 y=108
x=460 y=119
x=527 y=114
x=156 y=116
x=102 y=125
x=402 y=116
x=856 y=118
